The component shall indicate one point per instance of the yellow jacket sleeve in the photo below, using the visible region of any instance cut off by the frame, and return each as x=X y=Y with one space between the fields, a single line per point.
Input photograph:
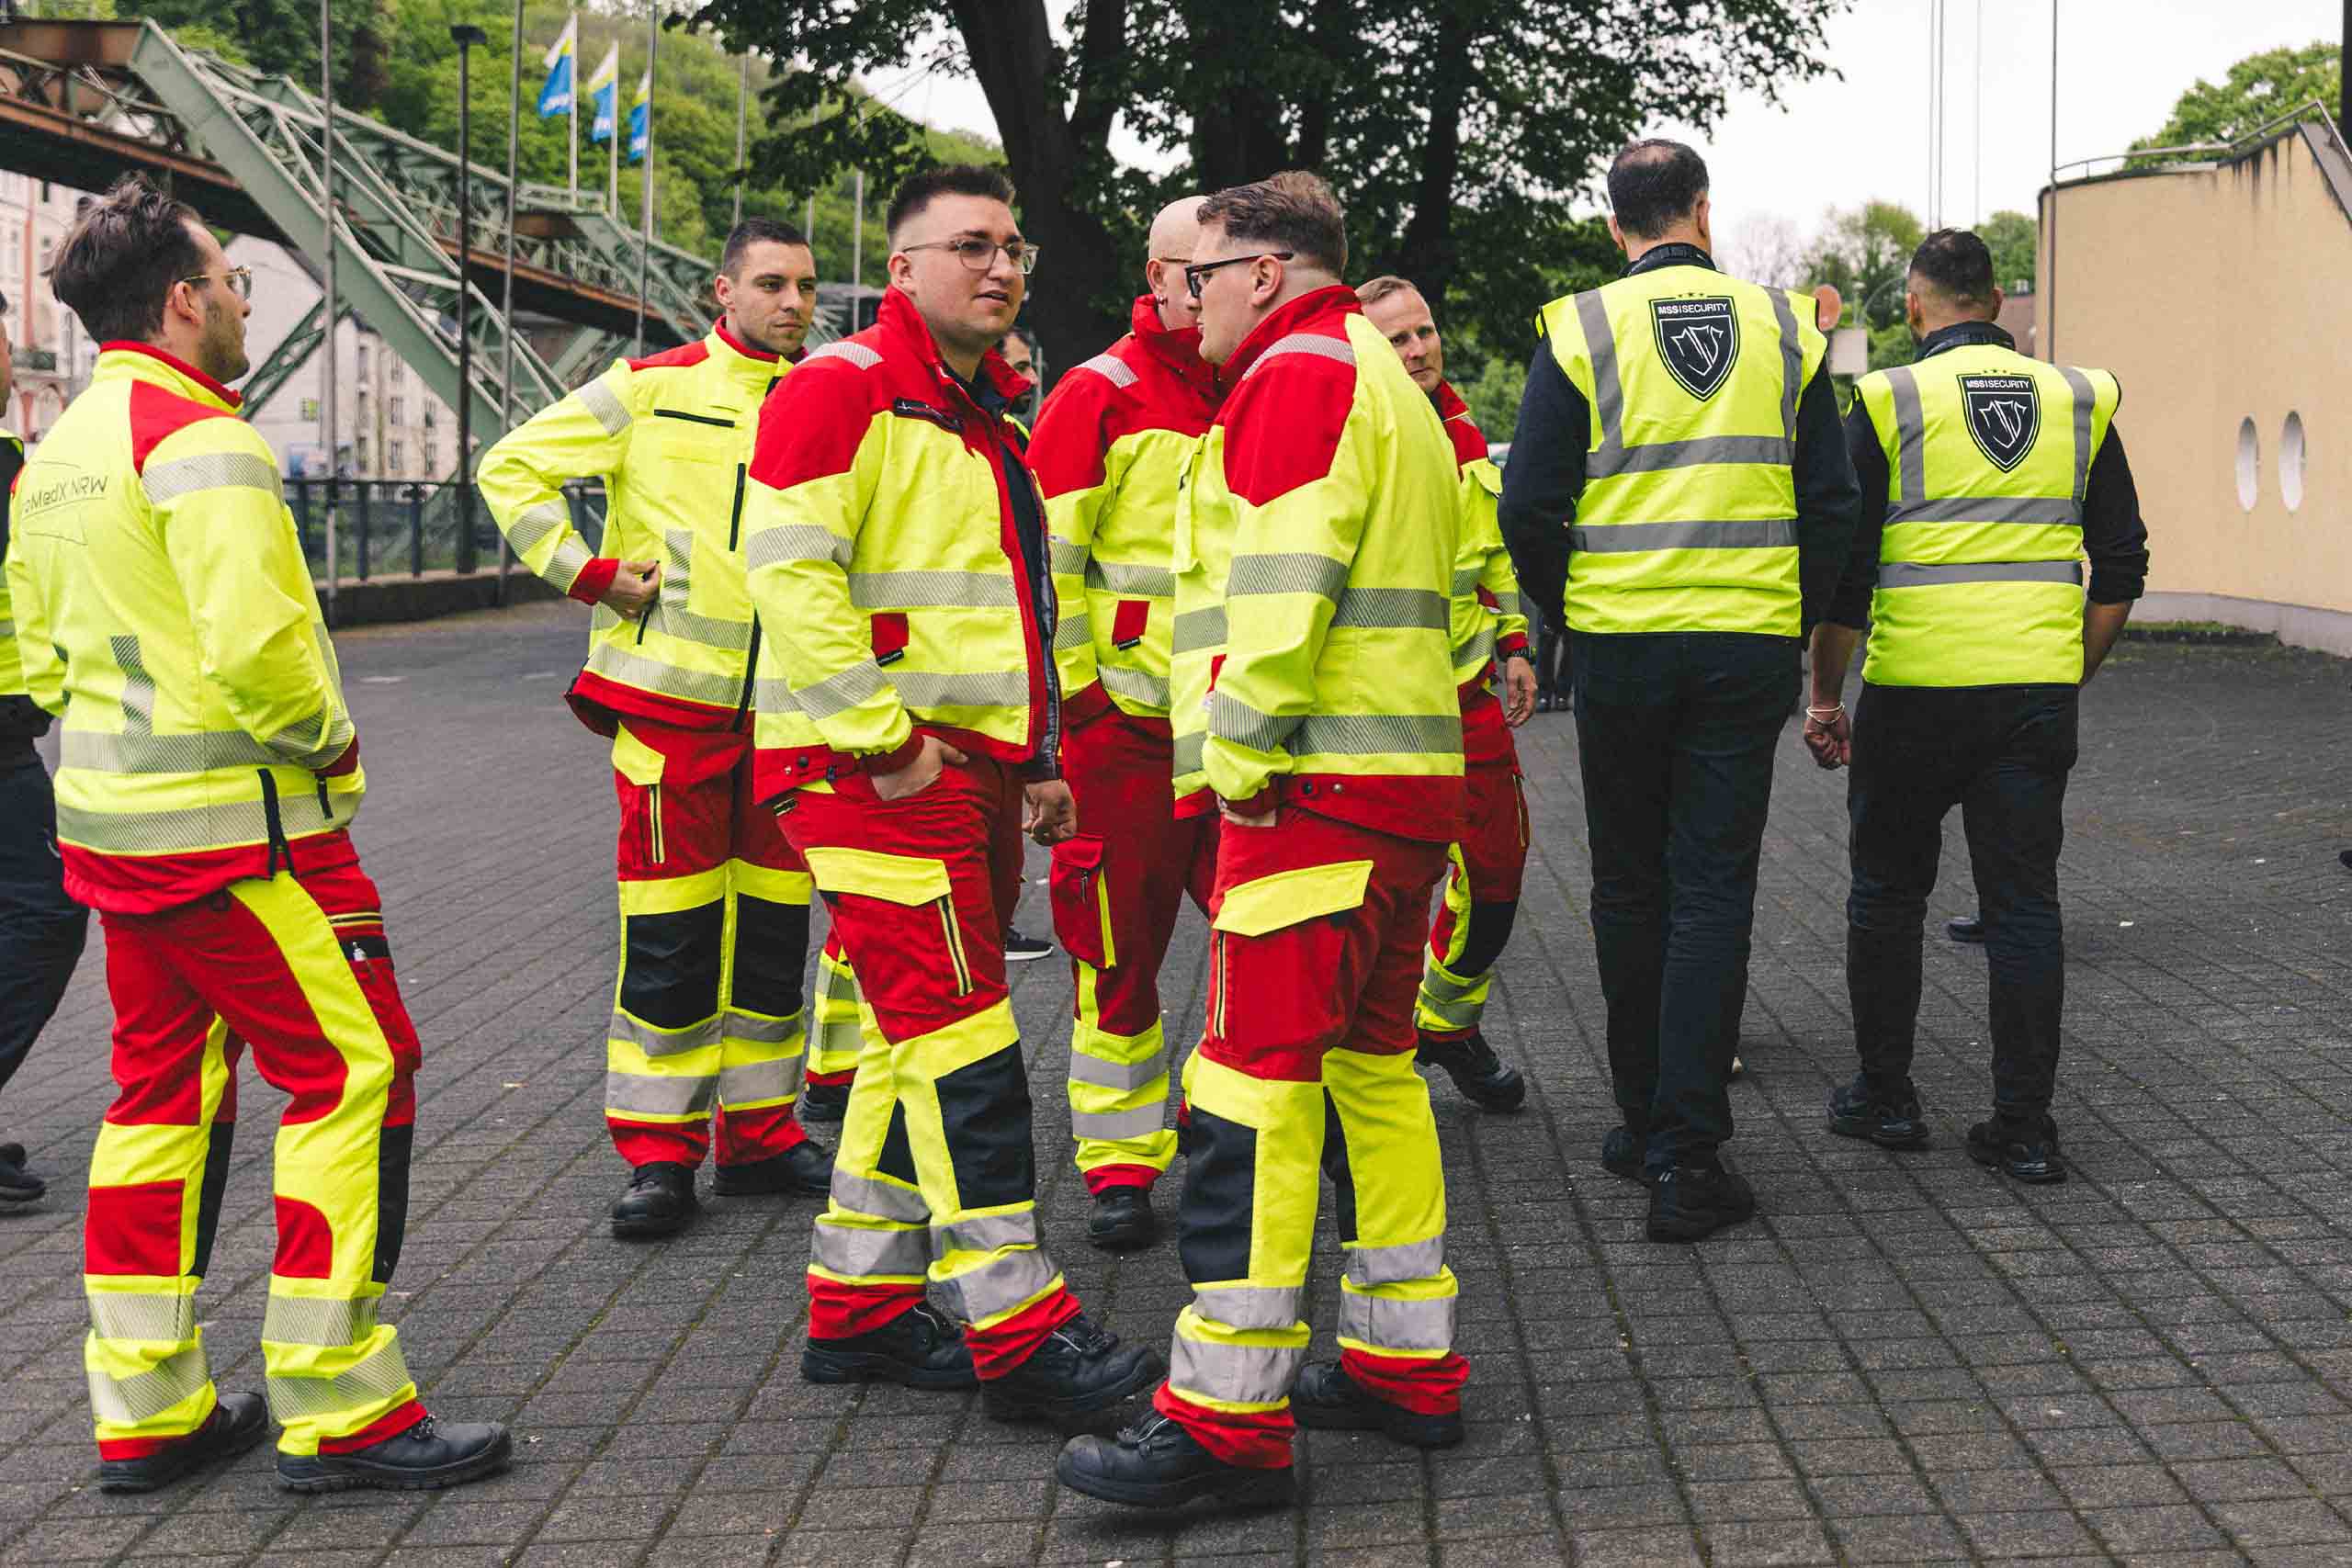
x=213 y=491
x=582 y=435
x=1482 y=489
x=1070 y=455
x=42 y=675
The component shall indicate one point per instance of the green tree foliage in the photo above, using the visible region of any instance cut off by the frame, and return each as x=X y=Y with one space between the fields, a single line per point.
x=2257 y=88
x=2015 y=241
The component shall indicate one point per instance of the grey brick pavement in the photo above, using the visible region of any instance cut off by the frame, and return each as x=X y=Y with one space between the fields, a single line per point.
x=1903 y=1360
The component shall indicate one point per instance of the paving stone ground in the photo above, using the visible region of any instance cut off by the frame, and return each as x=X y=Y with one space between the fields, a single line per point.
x=1903 y=1360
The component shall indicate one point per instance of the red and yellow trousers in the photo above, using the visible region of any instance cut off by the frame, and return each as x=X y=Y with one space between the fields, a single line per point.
x=1117 y=888
x=1485 y=870
x=294 y=967
x=707 y=1023
x=1307 y=1062
x=935 y=1182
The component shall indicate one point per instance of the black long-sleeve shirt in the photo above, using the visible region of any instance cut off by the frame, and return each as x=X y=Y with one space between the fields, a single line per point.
x=2114 y=536
x=1545 y=476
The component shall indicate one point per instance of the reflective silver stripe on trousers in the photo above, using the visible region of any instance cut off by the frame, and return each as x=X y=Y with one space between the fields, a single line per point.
x=999 y=1285
x=983 y=1233
x=1390 y=607
x=604 y=406
x=1197 y=629
x=1084 y=1068
x=142 y=1397
x=302 y=1320
x=1142 y=582
x=1116 y=1126
x=378 y=1377
x=795 y=542
x=210 y=470
x=2043 y=511
x=841 y=1034
x=753 y=1083
x=1301 y=571
x=930 y=590
x=2085 y=399
x=1397 y=1325
x=1248 y=1307
x=760 y=1030
x=861 y=1253
x=536 y=523
x=664 y=1041
x=1369 y=1266
x=1244 y=1374
x=1910 y=436
x=1441 y=986
x=1911 y=574
x=1073 y=631
x=1135 y=685
x=1454 y=1010
x=153 y=1317
x=1750 y=534
x=641 y=1094
x=1064 y=557
x=883 y=1199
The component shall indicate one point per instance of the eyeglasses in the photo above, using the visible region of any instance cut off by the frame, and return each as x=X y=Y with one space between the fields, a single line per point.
x=978 y=255
x=240 y=280
x=1199 y=270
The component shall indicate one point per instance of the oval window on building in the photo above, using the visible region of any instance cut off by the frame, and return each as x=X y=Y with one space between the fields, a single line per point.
x=2290 y=462
x=2249 y=464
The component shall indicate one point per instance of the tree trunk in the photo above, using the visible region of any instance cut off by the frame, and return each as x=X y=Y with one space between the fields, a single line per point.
x=1426 y=254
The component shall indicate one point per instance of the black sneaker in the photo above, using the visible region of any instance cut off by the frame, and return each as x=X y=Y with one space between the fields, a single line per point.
x=1967 y=928
x=2018 y=1151
x=1076 y=1369
x=1123 y=1220
x=1620 y=1153
x=1855 y=1111
x=1019 y=949
x=426 y=1458
x=1157 y=1464
x=1327 y=1400
x=1477 y=1073
x=1688 y=1201
x=804 y=1168
x=18 y=1182
x=660 y=1201
x=238 y=1421
x=823 y=1102
x=917 y=1348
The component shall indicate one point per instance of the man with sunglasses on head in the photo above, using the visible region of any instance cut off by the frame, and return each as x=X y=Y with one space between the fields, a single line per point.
x=907 y=707
x=1111 y=448
x=210 y=776
x=706 y=1044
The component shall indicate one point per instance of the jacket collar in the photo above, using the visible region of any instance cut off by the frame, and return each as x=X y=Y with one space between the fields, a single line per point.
x=1448 y=402
x=1676 y=254
x=1964 y=334
x=1178 y=348
x=994 y=390
x=145 y=362
x=741 y=356
x=1334 y=299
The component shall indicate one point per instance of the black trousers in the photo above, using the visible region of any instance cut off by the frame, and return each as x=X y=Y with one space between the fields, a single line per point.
x=1675 y=733
x=40 y=928
x=2001 y=754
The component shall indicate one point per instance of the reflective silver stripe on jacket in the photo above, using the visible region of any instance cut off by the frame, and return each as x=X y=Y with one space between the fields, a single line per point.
x=1197 y=629
x=1369 y=1266
x=664 y=1041
x=1116 y=1126
x=1750 y=534
x=536 y=523
x=930 y=590
x=857 y=353
x=863 y=1252
x=983 y=689
x=379 y=1377
x=1364 y=734
x=621 y=662
x=1112 y=368
x=219 y=825
x=564 y=566
x=1141 y=582
x=842 y=691
x=1232 y=719
x=670 y=616
x=1657 y=455
x=604 y=406
x=305 y=1320
x=643 y=1094
x=1297 y=572
x=209 y=470
x=1186 y=753
x=1242 y=1374
x=2086 y=400
x=1912 y=574
x=1393 y=607
x=794 y=542
x=145 y=1395
x=1135 y=685
x=1005 y=1282
x=1910 y=436
x=1123 y=1076
x=156 y=1318
x=1613 y=457
x=1073 y=631
x=137 y=748
x=1387 y=1324
x=2045 y=511
x=1065 y=557
x=1337 y=348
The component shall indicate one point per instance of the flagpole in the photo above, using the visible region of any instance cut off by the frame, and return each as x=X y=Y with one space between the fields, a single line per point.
x=742 y=98
x=327 y=301
x=612 y=145
x=645 y=240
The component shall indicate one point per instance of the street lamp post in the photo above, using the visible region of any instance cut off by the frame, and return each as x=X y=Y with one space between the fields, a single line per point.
x=465 y=35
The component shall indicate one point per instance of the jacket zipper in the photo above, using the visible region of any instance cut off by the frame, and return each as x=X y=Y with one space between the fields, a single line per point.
x=751 y=673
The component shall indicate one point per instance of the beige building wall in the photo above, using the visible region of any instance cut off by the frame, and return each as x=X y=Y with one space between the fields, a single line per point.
x=2221 y=295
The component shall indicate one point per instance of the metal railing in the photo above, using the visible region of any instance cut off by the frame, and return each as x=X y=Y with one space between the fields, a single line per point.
x=413 y=527
x=2206 y=152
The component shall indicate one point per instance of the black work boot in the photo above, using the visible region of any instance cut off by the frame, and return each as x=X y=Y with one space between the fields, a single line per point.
x=1477 y=1073
x=2022 y=1151
x=823 y=1102
x=426 y=1458
x=1967 y=928
x=1620 y=1153
x=1327 y=1400
x=18 y=1182
x=1895 y=1121
x=804 y=1169
x=1691 y=1200
x=1076 y=1369
x=917 y=1348
x=238 y=1421
x=660 y=1201
x=1123 y=1220
x=1157 y=1464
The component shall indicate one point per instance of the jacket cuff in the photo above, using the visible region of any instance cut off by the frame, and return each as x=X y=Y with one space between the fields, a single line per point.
x=595 y=580
x=1080 y=706
x=890 y=761
x=1040 y=770
x=1512 y=646
x=343 y=764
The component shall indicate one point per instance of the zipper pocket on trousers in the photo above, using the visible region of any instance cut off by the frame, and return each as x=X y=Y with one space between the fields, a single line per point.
x=946 y=908
x=654 y=847
x=1216 y=984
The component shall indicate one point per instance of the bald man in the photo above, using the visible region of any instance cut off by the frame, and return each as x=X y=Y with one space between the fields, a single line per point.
x=1109 y=451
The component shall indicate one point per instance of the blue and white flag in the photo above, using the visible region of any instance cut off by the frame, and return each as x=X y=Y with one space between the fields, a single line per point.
x=640 y=117
x=555 y=97
x=605 y=95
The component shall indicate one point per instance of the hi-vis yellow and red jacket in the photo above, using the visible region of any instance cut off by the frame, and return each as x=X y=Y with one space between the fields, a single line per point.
x=897 y=544
x=164 y=610
x=1314 y=552
x=671 y=437
x=1488 y=622
x=1111 y=443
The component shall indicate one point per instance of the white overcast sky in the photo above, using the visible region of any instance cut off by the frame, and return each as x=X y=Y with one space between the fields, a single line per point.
x=2121 y=63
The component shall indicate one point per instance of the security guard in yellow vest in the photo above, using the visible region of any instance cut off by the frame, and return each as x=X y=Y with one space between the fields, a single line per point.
x=1986 y=476
x=1684 y=426
x=708 y=1035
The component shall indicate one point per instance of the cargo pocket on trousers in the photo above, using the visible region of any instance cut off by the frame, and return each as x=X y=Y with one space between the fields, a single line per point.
x=1275 y=955
x=1082 y=900
x=909 y=881
x=640 y=768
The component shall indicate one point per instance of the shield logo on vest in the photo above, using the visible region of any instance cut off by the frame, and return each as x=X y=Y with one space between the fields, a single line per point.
x=1697 y=339
x=2004 y=416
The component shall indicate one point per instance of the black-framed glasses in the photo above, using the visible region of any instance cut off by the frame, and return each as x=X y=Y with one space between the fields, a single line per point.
x=1195 y=271
x=978 y=254
x=240 y=280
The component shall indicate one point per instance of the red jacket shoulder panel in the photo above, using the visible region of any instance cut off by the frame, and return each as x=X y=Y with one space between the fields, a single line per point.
x=1078 y=422
x=157 y=414
x=1285 y=422
x=678 y=358
x=811 y=426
